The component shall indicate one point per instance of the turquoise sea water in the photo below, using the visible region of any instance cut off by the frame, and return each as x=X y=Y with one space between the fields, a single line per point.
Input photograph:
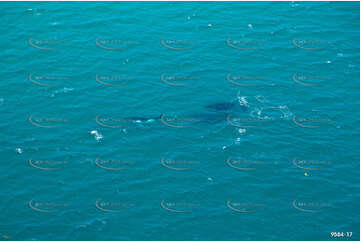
x=179 y=121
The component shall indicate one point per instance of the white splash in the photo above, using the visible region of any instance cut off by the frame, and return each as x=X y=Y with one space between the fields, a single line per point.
x=242 y=131
x=242 y=101
x=63 y=90
x=19 y=150
x=286 y=113
x=97 y=136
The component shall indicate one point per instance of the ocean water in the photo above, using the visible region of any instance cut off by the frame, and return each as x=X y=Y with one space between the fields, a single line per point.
x=180 y=121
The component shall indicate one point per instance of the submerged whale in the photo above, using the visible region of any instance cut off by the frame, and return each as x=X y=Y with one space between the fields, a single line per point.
x=226 y=107
x=214 y=113
x=221 y=106
x=218 y=112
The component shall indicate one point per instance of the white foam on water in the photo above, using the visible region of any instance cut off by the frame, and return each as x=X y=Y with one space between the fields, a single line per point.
x=286 y=113
x=97 y=136
x=63 y=90
x=242 y=100
x=19 y=150
x=260 y=107
x=260 y=98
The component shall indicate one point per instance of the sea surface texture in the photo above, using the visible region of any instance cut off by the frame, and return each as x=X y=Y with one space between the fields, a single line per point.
x=180 y=121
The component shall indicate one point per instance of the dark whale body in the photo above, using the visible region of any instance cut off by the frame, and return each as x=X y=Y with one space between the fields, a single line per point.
x=221 y=106
x=214 y=113
x=226 y=107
